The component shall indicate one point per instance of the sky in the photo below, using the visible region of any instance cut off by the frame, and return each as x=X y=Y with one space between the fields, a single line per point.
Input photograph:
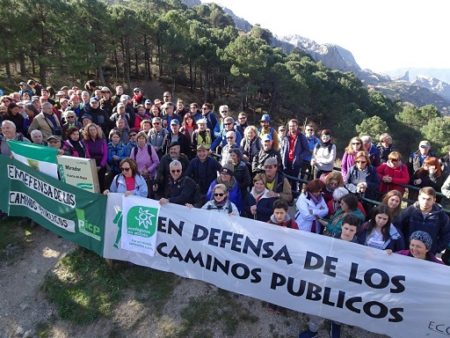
x=382 y=35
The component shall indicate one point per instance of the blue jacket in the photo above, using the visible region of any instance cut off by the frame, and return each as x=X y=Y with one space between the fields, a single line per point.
x=118 y=150
x=312 y=141
x=300 y=151
x=436 y=224
x=234 y=194
x=222 y=139
x=118 y=185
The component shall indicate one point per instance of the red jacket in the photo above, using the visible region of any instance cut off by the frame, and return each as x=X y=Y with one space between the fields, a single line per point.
x=400 y=177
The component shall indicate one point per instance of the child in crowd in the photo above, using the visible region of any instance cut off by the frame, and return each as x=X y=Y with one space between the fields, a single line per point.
x=350 y=226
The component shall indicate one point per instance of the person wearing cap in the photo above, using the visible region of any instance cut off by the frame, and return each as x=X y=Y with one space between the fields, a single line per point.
x=181 y=189
x=415 y=160
x=202 y=135
x=266 y=129
x=420 y=244
x=266 y=152
x=99 y=116
x=157 y=136
x=163 y=172
x=221 y=140
x=312 y=140
x=203 y=169
x=294 y=148
x=47 y=122
x=138 y=97
x=129 y=108
x=120 y=112
x=148 y=107
x=226 y=177
x=106 y=102
x=54 y=141
x=426 y=215
x=176 y=136
x=71 y=122
x=276 y=183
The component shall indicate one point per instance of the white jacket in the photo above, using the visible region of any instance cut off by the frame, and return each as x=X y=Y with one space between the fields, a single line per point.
x=307 y=211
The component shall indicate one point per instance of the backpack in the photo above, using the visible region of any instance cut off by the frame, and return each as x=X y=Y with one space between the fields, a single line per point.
x=149 y=150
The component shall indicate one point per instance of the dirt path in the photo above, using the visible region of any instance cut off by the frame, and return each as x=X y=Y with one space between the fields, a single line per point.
x=22 y=305
x=25 y=312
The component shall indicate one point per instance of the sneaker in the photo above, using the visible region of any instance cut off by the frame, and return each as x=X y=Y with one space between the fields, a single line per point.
x=308 y=334
x=335 y=330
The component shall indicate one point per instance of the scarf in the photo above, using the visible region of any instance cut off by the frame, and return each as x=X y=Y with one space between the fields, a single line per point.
x=258 y=196
x=316 y=200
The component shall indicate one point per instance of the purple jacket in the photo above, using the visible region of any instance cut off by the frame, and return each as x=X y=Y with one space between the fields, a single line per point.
x=348 y=160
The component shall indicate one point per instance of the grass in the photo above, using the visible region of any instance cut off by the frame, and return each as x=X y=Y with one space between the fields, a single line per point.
x=84 y=288
x=221 y=308
x=13 y=237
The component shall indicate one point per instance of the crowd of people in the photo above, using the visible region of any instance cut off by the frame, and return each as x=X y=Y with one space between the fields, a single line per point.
x=190 y=155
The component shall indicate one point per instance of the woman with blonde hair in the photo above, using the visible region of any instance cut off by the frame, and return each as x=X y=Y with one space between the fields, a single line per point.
x=393 y=200
x=348 y=160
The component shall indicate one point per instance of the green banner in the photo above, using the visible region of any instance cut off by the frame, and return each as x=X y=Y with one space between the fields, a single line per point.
x=70 y=212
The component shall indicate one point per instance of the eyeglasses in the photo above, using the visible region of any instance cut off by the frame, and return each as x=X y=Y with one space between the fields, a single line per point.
x=218 y=194
x=362 y=162
x=175 y=171
x=270 y=166
x=125 y=169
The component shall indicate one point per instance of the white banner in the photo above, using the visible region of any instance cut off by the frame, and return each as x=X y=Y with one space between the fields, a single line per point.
x=346 y=282
x=140 y=217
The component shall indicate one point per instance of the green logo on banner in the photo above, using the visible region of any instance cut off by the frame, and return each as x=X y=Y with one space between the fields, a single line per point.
x=87 y=228
x=141 y=221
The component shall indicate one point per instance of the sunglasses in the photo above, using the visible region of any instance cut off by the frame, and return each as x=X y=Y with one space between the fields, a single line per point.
x=175 y=171
x=216 y=194
x=227 y=124
x=224 y=111
x=125 y=169
x=394 y=160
